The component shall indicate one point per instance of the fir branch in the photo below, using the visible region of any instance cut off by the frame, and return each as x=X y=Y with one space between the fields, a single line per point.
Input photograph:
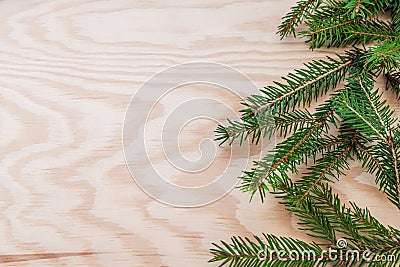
x=245 y=252
x=343 y=31
x=389 y=153
x=377 y=235
x=285 y=156
x=337 y=213
x=332 y=26
x=296 y=16
x=368 y=159
x=322 y=33
x=288 y=123
x=376 y=122
x=372 y=159
x=263 y=126
x=395 y=10
x=352 y=106
x=330 y=9
x=313 y=190
x=334 y=161
x=265 y=113
x=303 y=86
x=374 y=103
x=383 y=57
x=366 y=31
x=322 y=215
x=364 y=8
x=315 y=80
x=363 y=119
x=312 y=219
x=393 y=83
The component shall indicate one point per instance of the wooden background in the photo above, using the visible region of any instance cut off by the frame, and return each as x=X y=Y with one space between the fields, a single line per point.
x=68 y=70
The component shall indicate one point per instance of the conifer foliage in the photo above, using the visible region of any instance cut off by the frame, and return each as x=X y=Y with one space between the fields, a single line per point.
x=355 y=123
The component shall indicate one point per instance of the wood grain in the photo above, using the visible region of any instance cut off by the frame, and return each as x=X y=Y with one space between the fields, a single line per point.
x=68 y=70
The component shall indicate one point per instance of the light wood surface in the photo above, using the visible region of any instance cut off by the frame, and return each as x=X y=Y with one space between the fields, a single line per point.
x=68 y=70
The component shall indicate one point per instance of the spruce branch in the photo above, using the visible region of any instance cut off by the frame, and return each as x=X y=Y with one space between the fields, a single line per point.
x=315 y=220
x=294 y=150
x=332 y=8
x=296 y=16
x=393 y=83
x=364 y=8
x=273 y=111
x=245 y=252
x=376 y=122
x=373 y=160
x=384 y=57
x=395 y=10
x=323 y=216
x=303 y=86
x=389 y=152
x=338 y=214
x=373 y=232
x=327 y=166
x=347 y=31
x=353 y=104
x=312 y=11
x=263 y=126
